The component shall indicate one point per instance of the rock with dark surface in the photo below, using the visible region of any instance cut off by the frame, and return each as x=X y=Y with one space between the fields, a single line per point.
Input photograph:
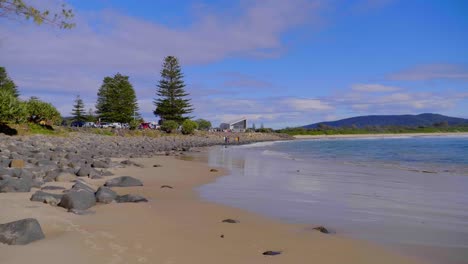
x=48 y=198
x=271 y=253
x=166 y=186
x=21 y=232
x=81 y=185
x=231 y=221
x=321 y=229
x=130 y=198
x=105 y=195
x=124 y=181
x=15 y=185
x=157 y=165
x=213 y=170
x=78 y=199
x=53 y=188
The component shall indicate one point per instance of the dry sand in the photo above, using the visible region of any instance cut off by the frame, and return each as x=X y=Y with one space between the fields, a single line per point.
x=464 y=134
x=175 y=226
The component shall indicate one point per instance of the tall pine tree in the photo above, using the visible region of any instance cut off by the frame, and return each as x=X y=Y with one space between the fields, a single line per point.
x=78 y=111
x=172 y=102
x=7 y=84
x=117 y=100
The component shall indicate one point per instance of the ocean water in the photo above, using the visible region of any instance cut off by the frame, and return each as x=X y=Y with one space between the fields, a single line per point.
x=408 y=194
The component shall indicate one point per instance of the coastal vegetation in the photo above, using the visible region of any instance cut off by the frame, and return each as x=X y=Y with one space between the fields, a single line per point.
x=172 y=102
x=19 y=8
x=328 y=130
x=116 y=100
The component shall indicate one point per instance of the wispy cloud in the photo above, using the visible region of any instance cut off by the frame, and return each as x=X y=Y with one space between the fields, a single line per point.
x=432 y=72
x=373 y=88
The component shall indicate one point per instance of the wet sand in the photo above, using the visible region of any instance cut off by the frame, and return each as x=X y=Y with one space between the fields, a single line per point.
x=175 y=226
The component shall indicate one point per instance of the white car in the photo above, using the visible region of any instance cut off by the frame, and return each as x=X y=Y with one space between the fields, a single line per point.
x=115 y=125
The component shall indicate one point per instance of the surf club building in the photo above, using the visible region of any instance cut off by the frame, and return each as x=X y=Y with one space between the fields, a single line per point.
x=239 y=125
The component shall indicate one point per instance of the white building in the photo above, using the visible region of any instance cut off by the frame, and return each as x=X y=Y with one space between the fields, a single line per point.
x=239 y=125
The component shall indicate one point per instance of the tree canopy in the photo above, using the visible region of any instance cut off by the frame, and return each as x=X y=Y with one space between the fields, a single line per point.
x=117 y=100
x=78 y=112
x=15 y=8
x=7 y=84
x=172 y=102
x=203 y=124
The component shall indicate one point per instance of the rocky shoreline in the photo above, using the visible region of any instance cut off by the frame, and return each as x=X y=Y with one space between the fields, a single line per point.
x=29 y=162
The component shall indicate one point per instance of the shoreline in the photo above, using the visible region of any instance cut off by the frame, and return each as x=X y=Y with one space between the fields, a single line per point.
x=175 y=226
x=463 y=134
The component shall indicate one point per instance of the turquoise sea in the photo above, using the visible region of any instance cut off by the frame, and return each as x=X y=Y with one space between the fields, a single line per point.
x=409 y=194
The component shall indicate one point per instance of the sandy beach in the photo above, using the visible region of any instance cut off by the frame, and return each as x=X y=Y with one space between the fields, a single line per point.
x=381 y=135
x=175 y=226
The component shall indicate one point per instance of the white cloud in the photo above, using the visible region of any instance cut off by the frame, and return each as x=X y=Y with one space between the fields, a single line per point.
x=373 y=88
x=307 y=104
x=431 y=72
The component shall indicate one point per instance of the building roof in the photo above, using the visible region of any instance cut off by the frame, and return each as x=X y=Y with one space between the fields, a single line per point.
x=236 y=121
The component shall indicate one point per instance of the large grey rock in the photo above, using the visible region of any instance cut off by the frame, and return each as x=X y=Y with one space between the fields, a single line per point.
x=83 y=172
x=15 y=185
x=105 y=195
x=81 y=185
x=21 y=232
x=99 y=164
x=65 y=177
x=53 y=188
x=124 y=181
x=78 y=199
x=130 y=198
x=44 y=197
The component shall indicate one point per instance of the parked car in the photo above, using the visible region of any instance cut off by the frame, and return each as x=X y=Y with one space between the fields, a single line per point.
x=104 y=125
x=89 y=124
x=115 y=125
x=77 y=124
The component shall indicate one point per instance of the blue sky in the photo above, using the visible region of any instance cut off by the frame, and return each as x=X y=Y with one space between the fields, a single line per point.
x=281 y=63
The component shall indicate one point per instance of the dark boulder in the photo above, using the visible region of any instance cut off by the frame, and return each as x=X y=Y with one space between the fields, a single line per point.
x=21 y=232
x=81 y=185
x=124 y=181
x=105 y=195
x=52 y=188
x=78 y=199
x=15 y=185
x=48 y=198
x=130 y=198
x=321 y=229
x=271 y=253
x=231 y=221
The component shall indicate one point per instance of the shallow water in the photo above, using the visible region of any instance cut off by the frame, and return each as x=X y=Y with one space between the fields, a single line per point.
x=410 y=194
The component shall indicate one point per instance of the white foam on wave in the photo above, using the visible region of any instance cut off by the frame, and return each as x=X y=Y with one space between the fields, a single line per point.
x=260 y=144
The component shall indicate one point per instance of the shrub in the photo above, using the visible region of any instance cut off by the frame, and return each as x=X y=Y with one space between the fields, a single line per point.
x=169 y=126
x=188 y=127
x=134 y=124
x=11 y=109
x=42 y=111
x=203 y=124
